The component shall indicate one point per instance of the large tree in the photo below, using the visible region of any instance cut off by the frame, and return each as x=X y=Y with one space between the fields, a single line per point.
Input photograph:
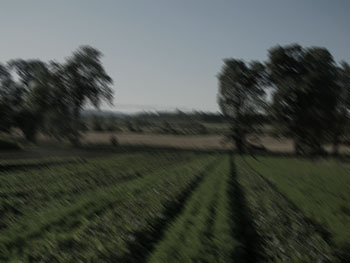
x=49 y=96
x=306 y=94
x=33 y=81
x=10 y=96
x=240 y=97
x=85 y=81
x=341 y=114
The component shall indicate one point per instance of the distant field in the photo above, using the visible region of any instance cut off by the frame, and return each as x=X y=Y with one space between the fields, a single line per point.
x=47 y=147
x=176 y=141
x=191 y=141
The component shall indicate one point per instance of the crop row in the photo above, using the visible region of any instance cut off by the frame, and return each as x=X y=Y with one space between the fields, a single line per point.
x=320 y=189
x=101 y=220
x=287 y=233
x=32 y=194
x=203 y=232
x=29 y=193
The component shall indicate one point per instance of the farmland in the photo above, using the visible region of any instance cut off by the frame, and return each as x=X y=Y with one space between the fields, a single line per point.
x=316 y=191
x=174 y=206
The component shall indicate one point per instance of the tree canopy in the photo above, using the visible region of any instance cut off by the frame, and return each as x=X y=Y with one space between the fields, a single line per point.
x=310 y=96
x=35 y=95
x=240 y=96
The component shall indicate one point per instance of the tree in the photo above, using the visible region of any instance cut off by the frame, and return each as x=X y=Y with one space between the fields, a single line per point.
x=305 y=94
x=33 y=80
x=341 y=115
x=86 y=81
x=49 y=96
x=241 y=96
x=58 y=120
x=8 y=96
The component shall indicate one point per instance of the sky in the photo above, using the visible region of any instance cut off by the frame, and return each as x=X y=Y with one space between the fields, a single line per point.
x=165 y=55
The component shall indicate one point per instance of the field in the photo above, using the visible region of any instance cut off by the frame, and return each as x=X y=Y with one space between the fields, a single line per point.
x=319 y=190
x=162 y=205
x=47 y=147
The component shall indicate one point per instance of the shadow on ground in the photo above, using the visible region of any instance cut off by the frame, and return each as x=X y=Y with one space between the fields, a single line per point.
x=243 y=229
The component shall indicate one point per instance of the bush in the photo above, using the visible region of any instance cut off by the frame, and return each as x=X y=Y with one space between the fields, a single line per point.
x=6 y=144
x=114 y=141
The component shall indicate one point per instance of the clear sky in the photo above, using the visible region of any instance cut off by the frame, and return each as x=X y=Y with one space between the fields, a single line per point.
x=166 y=54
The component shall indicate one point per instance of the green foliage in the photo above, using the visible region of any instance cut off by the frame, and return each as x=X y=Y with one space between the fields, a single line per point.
x=341 y=114
x=306 y=94
x=49 y=96
x=28 y=121
x=240 y=97
x=11 y=96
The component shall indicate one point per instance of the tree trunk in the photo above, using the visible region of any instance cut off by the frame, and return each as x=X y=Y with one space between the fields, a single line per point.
x=336 y=145
x=239 y=145
x=297 y=147
x=239 y=139
x=75 y=139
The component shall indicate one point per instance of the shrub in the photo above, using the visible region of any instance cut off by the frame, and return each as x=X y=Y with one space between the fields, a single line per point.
x=114 y=141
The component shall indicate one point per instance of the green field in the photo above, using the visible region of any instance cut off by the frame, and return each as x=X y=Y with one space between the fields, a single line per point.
x=174 y=206
x=320 y=190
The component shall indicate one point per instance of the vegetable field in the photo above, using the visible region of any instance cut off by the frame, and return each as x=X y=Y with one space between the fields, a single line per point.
x=168 y=206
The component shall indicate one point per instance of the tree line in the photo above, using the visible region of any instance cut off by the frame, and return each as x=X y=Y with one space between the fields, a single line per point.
x=301 y=89
x=49 y=96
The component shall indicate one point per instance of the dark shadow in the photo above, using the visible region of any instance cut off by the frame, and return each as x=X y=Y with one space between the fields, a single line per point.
x=243 y=229
x=13 y=166
x=343 y=253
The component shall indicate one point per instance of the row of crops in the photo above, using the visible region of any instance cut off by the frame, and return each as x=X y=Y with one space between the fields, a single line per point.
x=301 y=207
x=173 y=207
x=203 y=232
x=93 y=210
